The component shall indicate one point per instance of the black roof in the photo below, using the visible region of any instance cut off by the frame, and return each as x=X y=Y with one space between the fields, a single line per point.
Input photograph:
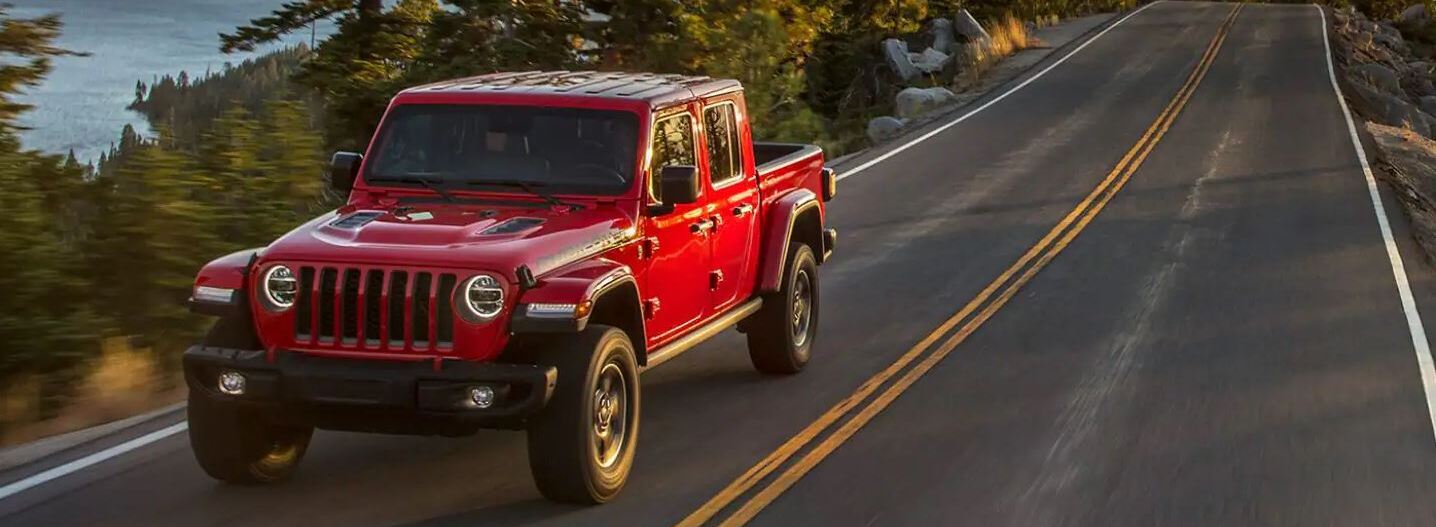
x=640 y=86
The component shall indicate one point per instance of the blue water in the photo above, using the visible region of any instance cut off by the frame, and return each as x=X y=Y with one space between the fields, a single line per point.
x=81 y=105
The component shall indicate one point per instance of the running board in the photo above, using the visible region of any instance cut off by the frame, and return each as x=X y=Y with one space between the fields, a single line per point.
x=697 y=336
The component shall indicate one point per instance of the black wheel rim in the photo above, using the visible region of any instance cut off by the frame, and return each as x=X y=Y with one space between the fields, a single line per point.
x=611 y=415
x=802 y=311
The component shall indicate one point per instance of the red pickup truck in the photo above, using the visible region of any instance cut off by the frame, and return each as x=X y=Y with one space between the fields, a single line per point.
x=515 y=249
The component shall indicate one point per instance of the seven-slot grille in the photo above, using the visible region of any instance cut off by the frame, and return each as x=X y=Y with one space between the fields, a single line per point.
x=384 y=309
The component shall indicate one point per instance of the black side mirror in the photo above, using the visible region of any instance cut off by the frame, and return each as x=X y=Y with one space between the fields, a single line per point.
x=343 y=168
x=679 y=185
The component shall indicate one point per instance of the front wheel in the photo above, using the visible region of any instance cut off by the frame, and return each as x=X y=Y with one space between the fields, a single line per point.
x=581 y=446
x=238 y=446
x=781 y=334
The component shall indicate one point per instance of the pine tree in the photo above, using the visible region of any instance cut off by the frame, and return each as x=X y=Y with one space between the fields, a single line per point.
x=155 y=233
x=228 y=159
x=44 y=320
x=357 y=69
x=292 y=168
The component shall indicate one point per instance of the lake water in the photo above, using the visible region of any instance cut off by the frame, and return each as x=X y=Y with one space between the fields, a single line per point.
x=81 y=105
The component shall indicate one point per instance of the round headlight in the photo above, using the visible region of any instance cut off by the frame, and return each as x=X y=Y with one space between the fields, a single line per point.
x=480 y=298
x=280 y=287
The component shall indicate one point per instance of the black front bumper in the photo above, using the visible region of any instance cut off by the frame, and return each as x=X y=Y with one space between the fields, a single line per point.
x=384 y=396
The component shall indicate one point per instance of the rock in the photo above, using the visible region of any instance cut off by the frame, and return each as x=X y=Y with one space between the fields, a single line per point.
x=913 y=102
x=1428 y=104
x=943 y=37
x=1414 y=14
x=883 y=128
x=1420 y=86
x=1394 y=111
x=1419 y=67
x=1393 y=42
x=896 y=54
x=1379 y=76
x=930 y=61
x=1412 y=161
x=968 y=27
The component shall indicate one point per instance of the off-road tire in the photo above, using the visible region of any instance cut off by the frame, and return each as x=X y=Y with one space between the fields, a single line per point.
x=236 y=444
x=570 y=463
x=777 y=343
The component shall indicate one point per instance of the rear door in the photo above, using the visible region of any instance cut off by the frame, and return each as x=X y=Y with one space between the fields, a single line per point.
x=676 y=290
x=733 y=198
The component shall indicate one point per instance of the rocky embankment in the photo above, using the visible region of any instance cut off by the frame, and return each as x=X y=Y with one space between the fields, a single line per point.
x=1388 y=81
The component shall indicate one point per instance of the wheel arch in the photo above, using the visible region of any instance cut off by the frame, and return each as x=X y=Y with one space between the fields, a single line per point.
x=795 y=218
x=600 y=291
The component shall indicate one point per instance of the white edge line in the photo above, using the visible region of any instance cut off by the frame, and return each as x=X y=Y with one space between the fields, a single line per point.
x=123 y=448
x=85 y=462
x=1403 y=285
x=868 y=164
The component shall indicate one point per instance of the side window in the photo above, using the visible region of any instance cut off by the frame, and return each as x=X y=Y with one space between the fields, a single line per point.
x=672 y=145
x=720 y=123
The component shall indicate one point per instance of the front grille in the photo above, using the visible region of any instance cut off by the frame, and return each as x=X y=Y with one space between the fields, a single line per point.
x=370 y=308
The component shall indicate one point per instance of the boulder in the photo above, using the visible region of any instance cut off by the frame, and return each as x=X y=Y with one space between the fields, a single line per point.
x=930 y=61
x=969 y=28
x=912 y=102
x=1394 y=111
x=943 y=37
x=899 y=59
x=1415 y=14
x=1428 y=104
x=1391 y=40
x=1419 y=86
x=883 y=128
x=1379 y=76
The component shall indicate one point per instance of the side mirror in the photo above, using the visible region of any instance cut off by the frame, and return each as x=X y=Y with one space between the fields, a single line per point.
x=679 y=185
x=343 y=168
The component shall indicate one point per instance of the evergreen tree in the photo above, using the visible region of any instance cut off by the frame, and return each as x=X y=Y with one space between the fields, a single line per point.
x=472 y=37
x=155 y=233
x=44 y=321
x=292 y=167
x=357 y=69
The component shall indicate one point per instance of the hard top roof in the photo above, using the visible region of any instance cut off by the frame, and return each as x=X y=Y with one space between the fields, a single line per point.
x=653 y=87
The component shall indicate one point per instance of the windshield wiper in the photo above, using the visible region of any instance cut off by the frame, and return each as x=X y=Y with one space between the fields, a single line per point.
x=428 y=183
x=532 y=187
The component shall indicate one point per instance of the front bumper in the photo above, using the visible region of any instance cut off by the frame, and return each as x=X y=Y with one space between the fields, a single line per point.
x=383 y=396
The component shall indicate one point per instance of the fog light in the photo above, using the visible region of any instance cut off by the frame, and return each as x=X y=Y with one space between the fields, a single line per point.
x=231 y=383
x=480 y=397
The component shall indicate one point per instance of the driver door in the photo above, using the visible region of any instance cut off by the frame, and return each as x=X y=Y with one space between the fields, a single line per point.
x=676 y=282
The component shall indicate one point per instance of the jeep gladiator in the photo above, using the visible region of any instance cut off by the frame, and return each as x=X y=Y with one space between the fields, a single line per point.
x=514 y=250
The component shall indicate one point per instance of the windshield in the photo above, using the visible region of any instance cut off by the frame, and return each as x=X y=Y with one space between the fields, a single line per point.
x=562 y=150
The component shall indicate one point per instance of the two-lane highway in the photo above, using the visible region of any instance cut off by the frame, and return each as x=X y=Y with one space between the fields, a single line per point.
x=1210 y=334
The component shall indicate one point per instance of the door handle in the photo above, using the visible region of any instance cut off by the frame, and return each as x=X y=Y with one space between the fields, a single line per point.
x=742 y=210
x=702 y=227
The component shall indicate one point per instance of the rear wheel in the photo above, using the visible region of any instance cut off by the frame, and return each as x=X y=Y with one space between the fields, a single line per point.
x=581 y=446
x=781 y=334
x=236 y=444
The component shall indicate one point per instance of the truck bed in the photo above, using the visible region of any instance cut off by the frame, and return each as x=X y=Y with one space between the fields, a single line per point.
x=772 y=156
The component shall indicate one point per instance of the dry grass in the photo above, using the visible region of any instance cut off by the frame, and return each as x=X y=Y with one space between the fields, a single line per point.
x=1008 y=35
x=122 y=382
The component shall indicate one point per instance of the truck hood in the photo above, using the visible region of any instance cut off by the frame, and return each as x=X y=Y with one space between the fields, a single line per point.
x=457 y=235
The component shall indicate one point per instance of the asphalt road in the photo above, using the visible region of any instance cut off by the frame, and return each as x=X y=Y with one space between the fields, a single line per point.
x=1222 y=345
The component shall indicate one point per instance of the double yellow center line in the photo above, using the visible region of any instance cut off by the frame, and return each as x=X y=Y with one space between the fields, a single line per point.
x=856 y=410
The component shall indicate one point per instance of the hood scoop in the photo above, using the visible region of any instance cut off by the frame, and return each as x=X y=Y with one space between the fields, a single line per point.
x=356 y=220
x=511 y=226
